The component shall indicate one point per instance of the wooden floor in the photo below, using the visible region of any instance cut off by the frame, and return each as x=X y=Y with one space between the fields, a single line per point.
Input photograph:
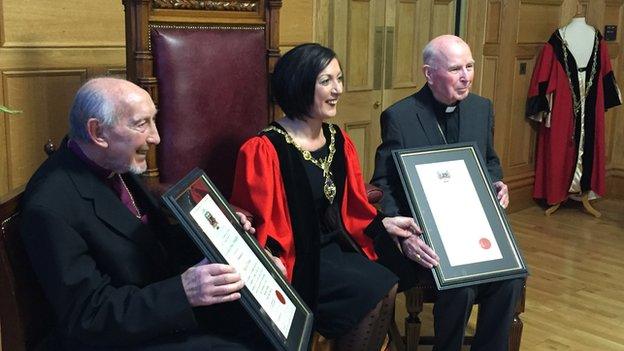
x=575 y=293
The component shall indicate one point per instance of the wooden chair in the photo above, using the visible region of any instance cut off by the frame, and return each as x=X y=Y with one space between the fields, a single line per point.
x=206 y=65
x=25 y=316
x=425 y=292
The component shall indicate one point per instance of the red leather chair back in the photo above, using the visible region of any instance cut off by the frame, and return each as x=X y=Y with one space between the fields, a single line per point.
x=212 y=96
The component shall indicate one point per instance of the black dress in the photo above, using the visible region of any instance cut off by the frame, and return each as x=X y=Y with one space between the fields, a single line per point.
x=350 y=285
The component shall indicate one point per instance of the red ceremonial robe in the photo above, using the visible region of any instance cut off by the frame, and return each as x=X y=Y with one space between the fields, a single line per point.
x=558 y=142
x=259 y=189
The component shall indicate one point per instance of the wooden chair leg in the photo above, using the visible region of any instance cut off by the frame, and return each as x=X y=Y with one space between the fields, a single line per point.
x=515 y=333
x=396 y=340
x=414 y=302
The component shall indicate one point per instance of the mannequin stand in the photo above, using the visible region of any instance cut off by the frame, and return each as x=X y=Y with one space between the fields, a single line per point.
x=584 y=199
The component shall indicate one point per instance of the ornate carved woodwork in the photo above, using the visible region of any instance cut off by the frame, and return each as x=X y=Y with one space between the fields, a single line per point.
x=250 y=6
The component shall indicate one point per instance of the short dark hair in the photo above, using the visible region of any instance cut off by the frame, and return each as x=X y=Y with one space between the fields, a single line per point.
x=294 y=78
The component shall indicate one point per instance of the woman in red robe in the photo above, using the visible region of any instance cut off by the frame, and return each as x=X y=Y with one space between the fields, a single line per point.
x=301 y=180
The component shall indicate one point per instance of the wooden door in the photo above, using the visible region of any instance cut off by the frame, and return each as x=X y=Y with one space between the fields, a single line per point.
x=379 y=43
x=410 y=24
x=355 y=33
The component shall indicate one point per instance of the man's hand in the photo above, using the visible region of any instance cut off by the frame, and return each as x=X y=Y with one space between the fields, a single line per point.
x=418 y=251
x=211 y=283
x=502 y=193
x=400 y=227
x=412 y=245
x=244 y=221
x=277 y=261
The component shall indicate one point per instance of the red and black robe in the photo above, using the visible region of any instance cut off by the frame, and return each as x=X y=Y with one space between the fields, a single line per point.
x=550 y=101
x=271 y=183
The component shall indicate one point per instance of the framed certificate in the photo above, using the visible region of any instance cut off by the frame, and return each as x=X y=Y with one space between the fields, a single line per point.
x=451 y=196
x=213 y=226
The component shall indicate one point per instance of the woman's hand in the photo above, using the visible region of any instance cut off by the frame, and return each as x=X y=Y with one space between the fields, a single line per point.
x=411 y=244
x=277 y=261
x=244 y=221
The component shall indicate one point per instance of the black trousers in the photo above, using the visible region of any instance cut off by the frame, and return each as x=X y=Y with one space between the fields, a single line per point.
x=452 y=309
x=496 y=301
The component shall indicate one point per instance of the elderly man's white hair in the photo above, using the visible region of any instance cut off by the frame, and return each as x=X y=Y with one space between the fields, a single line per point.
x=95 y=99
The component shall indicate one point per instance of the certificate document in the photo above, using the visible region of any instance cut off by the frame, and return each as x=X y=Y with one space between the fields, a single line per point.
x=237 y=253
x=459 y=216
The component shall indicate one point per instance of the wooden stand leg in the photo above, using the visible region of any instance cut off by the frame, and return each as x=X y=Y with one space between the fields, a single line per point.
x=588 y=206
x=552 y=209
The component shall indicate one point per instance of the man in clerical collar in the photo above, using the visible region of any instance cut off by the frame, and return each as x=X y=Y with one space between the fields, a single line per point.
x=116 y=273
x=442 y=112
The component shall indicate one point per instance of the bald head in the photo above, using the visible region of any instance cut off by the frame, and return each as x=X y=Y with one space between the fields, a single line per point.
x=438 y=48
x=448 y=68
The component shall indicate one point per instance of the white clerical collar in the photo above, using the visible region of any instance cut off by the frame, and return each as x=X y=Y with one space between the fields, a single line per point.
x=450 y=109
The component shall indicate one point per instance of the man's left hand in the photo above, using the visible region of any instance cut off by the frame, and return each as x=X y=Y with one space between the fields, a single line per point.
x=502 y=193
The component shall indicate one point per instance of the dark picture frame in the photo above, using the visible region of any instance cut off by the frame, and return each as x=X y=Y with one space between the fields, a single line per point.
x=213 y=226
x=451 y=196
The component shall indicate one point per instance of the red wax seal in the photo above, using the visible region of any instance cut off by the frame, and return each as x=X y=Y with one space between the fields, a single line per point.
x=485 y=243
x=280 y=297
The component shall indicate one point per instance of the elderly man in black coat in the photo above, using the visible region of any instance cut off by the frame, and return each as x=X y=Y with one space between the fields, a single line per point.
x=110 y=266
x=444 y=112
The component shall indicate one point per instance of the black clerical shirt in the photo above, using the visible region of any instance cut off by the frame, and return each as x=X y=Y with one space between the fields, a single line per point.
x=448 y=120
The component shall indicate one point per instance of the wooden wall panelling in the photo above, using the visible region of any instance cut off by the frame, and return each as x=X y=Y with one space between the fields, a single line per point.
x=4 y=165
x=492 y=27
x=494 y=36
x=47 y=48
x=360 y=47
x=414 y=24
x=537 y=19
x=62 y=23
x=443 y=18
x=614 y=118
x=504 y=51
x=406 y=60
x=354 y=34
x=115 y=72
x=489 y=77
x=45 y=97
x=409 y=31
x=521 y=137
x=360 y=132
x=477 y=13
x=297 y=23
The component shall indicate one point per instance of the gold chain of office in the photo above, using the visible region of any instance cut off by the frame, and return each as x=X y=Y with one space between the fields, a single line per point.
x=324 y=163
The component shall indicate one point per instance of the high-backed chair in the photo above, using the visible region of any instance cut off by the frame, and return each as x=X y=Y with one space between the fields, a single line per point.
x=25 y=316
x=206 y=65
